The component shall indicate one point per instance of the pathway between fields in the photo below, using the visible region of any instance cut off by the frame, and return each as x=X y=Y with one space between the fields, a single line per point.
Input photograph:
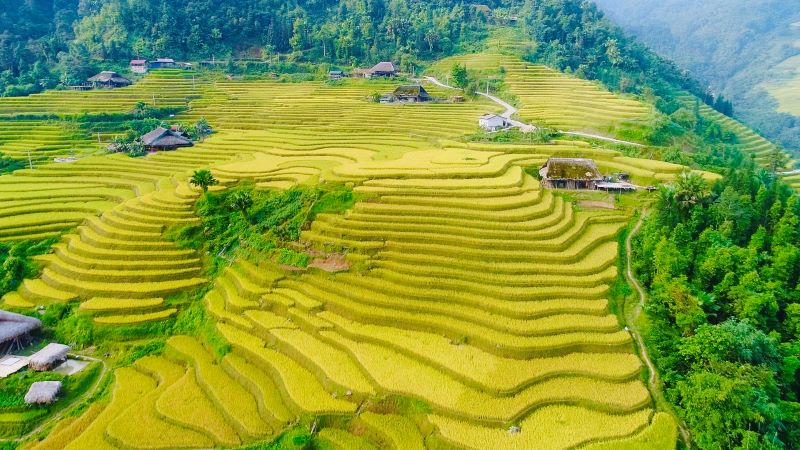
x=510 y=110
x=633 y=328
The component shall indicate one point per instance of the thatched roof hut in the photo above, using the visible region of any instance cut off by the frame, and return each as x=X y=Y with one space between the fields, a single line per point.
x=164 y=139
x=43 y=392
x=109 y=79
x=14 y=330
x=383 y=69
x=48 y=357
x=411 y=93
x=570 y=173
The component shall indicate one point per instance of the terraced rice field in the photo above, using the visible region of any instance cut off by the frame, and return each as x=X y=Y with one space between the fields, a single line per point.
x=473 y=290
x=549 y=98
x=40 y=140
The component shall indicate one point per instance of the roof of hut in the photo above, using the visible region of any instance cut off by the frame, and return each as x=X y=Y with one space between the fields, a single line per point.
x=162 y=137
x=383 y=66
x=43 y=392
x=108 y=76
x=571 y=169
x=411 y=90
x=49 y=354
x=14 y=325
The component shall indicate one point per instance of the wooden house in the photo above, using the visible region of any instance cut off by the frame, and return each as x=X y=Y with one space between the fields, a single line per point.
x=163 y=63
x=336 y=74
x=50 y=356
x=384 y=69
x=412 y=93
x=360 y=73
x=139 y=66
x=164 y=139
x=109 y=80
x=493 y=122
x=570 y=173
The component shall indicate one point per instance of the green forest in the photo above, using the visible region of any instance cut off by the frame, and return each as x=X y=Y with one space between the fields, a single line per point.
x=722 y=266
x=62 y=42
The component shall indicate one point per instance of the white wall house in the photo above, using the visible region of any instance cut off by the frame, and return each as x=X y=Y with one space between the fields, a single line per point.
x=493 y=122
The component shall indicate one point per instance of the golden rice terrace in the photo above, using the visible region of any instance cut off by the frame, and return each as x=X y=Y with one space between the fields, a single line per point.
x=474 y=313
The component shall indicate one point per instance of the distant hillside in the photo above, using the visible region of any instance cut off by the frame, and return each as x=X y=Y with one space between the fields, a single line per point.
x=738 y=47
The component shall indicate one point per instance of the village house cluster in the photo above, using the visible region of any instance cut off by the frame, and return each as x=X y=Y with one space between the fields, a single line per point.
x=16 y=333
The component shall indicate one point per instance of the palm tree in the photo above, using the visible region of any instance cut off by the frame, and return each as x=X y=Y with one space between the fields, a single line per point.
x=203 y=179
x=690 y=190
x=241 y=201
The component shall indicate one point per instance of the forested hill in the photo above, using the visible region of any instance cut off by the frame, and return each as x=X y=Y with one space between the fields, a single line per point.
x=68 y=35
x=45 y=43
x=736 y=46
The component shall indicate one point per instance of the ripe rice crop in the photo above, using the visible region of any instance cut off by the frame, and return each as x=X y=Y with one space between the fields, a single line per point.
x=402 y=375
x=401 y=432
x=549 y=428
x=238 y=405
x=185 y=403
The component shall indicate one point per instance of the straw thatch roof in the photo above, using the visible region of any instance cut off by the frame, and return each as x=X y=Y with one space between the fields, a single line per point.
x=164 y=138
x=43 y=392
x=108 y=76
x=14 y=326
x=45 y=358
x=383 y=67
x=411 y=92
x=570 y=169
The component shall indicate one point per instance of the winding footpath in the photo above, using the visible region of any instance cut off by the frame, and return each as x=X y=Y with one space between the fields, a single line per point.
x=633 y=328
x=510 y=110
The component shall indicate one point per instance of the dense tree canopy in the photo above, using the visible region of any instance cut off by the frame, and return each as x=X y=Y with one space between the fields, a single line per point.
x=723 y=270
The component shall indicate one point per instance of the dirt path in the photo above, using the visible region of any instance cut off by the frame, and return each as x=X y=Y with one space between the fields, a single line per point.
x=632 y=321
x=601 y=138
x=67 y=408
x=510 y=110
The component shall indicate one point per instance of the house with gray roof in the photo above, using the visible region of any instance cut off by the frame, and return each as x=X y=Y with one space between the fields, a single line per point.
x=164 y=139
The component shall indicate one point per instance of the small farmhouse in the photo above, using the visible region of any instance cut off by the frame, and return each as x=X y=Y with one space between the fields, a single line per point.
x=360 y=73
x=164 y=139
x=43 y=392
x=163 y=63
x=50 y=356
x=109 y=79
x=382 y=69
x=411 y=93
x=335 y=74
x=570 y=173
x=138 y=66
x=15 y=330
x=493 y=122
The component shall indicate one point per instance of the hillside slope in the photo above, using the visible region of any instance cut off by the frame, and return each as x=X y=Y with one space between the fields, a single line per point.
x=745 y=49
